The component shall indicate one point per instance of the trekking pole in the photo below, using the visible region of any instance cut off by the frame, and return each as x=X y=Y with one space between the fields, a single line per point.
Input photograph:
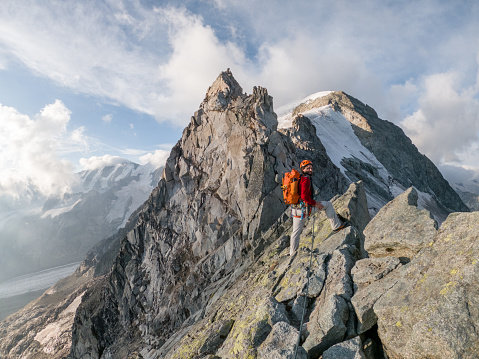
x=307 y=289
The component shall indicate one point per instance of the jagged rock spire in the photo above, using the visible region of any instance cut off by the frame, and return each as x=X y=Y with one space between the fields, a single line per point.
x=222 y=92
x=216 y=198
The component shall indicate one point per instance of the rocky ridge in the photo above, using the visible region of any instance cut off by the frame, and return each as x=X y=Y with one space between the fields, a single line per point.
x=203 y=271
x=216 y=196
x=423 y=306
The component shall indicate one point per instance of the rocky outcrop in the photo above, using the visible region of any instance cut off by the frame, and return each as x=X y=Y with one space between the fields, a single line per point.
x=266 y=301
x=281 y=343
x=400 y=229
x=431 y=311
x=369 y=286
x=397 y=233
x=350 y=349
x=424 y=308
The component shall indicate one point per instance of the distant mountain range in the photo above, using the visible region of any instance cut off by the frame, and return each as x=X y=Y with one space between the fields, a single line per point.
x=469 y=193
x=48 y=232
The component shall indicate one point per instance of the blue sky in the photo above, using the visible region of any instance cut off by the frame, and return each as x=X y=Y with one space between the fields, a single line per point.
x=85 y=82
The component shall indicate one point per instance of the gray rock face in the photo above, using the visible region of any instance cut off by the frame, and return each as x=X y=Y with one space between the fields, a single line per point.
x=295 y=280
x=371 y=281
x=400 y=229
x=281 y=343
x=369 y=270
x=216 y=196
x=350 y=349
x=432 y=309
x=332 y=321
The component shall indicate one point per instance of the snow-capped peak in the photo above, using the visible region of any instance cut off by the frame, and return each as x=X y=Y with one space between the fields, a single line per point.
x=285 y=112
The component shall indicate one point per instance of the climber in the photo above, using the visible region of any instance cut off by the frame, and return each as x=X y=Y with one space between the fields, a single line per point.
x=303 y=209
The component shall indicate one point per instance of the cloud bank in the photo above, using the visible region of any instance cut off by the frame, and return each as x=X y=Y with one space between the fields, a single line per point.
x=157 y=158
x=29 y=162
x=446 y=124
x=416 y=63
x=32 y=153
x=97 y=162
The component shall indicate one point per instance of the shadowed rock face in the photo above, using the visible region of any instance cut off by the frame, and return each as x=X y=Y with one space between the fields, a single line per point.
x=327 y=177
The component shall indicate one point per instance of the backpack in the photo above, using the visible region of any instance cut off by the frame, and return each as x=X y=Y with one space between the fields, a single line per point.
x=290 y=187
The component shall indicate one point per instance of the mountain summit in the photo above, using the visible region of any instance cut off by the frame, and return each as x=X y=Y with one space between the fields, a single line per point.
x=365 y=147
x=216 y=197
x=224 y=90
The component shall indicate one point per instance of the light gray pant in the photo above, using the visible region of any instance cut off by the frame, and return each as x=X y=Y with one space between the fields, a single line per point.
x=298 y=224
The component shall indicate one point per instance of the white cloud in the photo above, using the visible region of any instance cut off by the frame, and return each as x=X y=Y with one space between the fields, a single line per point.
x=96 y=162
x=161 y=60
x=157 y=158
x=157 y=62
x=83 y=46
x=298 y=66
x=29 y=160
x=107 y=118
x=446 y=124
x=459 y=174
x=133 y=152
x=197 y=59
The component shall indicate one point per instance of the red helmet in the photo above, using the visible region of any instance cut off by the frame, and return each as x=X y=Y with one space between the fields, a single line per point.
x=305 y=163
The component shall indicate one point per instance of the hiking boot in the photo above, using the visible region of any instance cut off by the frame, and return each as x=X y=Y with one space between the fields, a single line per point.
x=341 y=218
x=342 y=226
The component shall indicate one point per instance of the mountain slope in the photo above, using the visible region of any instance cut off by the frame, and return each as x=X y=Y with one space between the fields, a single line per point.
x=202 y=272
x=376 y=151
x=216 y=196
